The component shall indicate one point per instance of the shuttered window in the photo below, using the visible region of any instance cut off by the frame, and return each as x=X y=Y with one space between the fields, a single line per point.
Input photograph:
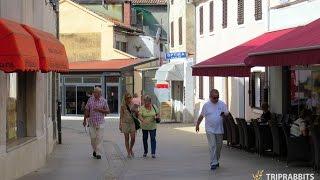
x=224 y=13
x=240 y=12
x=180 y=31
x=172 y=34
x=257 y=94
x=258 y=9
x=201 y=19
x=211 y=23
x=200 y=87
x=211 y=83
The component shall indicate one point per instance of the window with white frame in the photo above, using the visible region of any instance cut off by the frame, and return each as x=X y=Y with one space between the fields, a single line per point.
x=257 y=92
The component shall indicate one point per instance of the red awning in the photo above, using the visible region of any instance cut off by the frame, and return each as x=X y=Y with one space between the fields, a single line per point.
x=17 y=49
x=299 y=47
x=52 y=53
x=231 y=62
x=108 y=65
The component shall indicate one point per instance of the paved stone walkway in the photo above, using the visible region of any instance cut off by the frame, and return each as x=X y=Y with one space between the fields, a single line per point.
x=181 y=154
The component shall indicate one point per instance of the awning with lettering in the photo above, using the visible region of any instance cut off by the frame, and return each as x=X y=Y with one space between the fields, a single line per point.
x=52 y=54
x=17 y=48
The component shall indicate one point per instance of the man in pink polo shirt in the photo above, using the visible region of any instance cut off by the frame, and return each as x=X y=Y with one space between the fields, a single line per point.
x=95 y=111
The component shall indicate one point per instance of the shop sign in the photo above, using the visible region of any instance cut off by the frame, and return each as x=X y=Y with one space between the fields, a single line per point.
x=176 y=55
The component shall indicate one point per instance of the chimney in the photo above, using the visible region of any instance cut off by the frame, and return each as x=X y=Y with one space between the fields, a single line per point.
x=127 y=12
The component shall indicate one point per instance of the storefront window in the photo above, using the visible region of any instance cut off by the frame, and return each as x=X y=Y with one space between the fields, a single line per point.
x=305 y=91
x=129 y=84
x=71 y=96
x=16 y=116
x=73 y=79
x=83 y=94
x=92 y=80
x=112 y=79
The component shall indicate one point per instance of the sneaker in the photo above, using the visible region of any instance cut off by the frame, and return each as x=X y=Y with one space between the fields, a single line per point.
x=94 y=154
x=98 y=156
x=153 y=156
x=213 y=167
x=144 y=155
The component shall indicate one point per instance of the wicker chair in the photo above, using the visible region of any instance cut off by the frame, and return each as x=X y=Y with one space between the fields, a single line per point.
x=241 y=133
x=229 y=132
x=234 y=130
x=278 y=139
x=248 y=135
x=298 y=148
x=315 y=134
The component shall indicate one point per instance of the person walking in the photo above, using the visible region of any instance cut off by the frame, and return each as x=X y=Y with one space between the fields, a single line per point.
x=148 y=114
x=127 y=125
x=213 y=111
x=95 y=111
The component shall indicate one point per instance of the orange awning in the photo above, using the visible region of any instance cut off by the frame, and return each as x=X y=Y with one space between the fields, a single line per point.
x=52 y=53
x=17 y=49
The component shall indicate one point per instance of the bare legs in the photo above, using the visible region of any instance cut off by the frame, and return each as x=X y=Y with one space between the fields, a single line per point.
x=129 y=144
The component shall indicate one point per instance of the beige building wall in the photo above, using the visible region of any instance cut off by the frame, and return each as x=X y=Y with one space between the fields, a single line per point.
x=86 y=35
x=18 y=159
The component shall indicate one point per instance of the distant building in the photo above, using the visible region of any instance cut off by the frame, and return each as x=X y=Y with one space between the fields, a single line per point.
x=98 y=47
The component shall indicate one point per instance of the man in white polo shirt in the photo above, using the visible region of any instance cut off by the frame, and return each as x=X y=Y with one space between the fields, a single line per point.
x=213 y=111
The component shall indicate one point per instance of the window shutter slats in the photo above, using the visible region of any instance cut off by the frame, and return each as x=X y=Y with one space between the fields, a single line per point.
x=258 y=9
x=224 y=13
x=201 y=19
x=240 y=11
x=211 y=16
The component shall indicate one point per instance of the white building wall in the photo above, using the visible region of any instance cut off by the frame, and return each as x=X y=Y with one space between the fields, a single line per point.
x=210 y=44
x=143 y=47
x=282 y=18
x=31 y=154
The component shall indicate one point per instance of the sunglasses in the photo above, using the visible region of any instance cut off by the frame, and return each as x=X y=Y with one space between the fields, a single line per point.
x=215 y=97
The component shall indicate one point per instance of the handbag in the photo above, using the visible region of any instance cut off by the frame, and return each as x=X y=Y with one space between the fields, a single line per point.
x=158 y=120
x=135 y=120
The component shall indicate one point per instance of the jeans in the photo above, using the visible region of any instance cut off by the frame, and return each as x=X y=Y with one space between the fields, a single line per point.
x=153 y=140
x=215 y=145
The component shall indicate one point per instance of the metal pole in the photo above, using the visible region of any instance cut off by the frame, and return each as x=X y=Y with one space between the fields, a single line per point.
x=59 y=121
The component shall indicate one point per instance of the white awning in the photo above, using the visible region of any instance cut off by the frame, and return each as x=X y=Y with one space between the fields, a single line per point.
x=173 y=71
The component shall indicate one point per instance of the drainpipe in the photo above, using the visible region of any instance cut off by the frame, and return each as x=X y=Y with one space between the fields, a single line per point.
x=267 y=69
x=57 y=75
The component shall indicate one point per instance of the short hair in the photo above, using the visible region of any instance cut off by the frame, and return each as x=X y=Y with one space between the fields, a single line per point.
x=265 y=105
x=147 y=98
x=97 y=90
x=135 y=95
x=214 y=91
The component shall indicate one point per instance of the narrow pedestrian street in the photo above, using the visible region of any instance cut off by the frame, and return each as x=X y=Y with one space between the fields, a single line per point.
x=181 y=154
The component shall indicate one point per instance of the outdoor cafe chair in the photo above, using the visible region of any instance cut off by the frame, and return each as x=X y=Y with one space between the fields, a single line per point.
x=315 y=135
x=298 y=148
x=229 y=132
x=234 y=130
x=278 y=139
x=241 y=133
x=248 y=134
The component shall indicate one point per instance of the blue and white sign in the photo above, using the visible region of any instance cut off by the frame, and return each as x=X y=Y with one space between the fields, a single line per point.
x=176 y=55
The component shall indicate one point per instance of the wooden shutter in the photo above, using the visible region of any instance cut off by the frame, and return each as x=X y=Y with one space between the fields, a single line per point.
x=258 y=9
x=262 y=81
x=211 y=83
x=180 y=31
x=200 y=87
x=224 y=13
x=211 y=24
x=251 y=90
x=240 y=11
x=172 y=34
x=201 y=19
